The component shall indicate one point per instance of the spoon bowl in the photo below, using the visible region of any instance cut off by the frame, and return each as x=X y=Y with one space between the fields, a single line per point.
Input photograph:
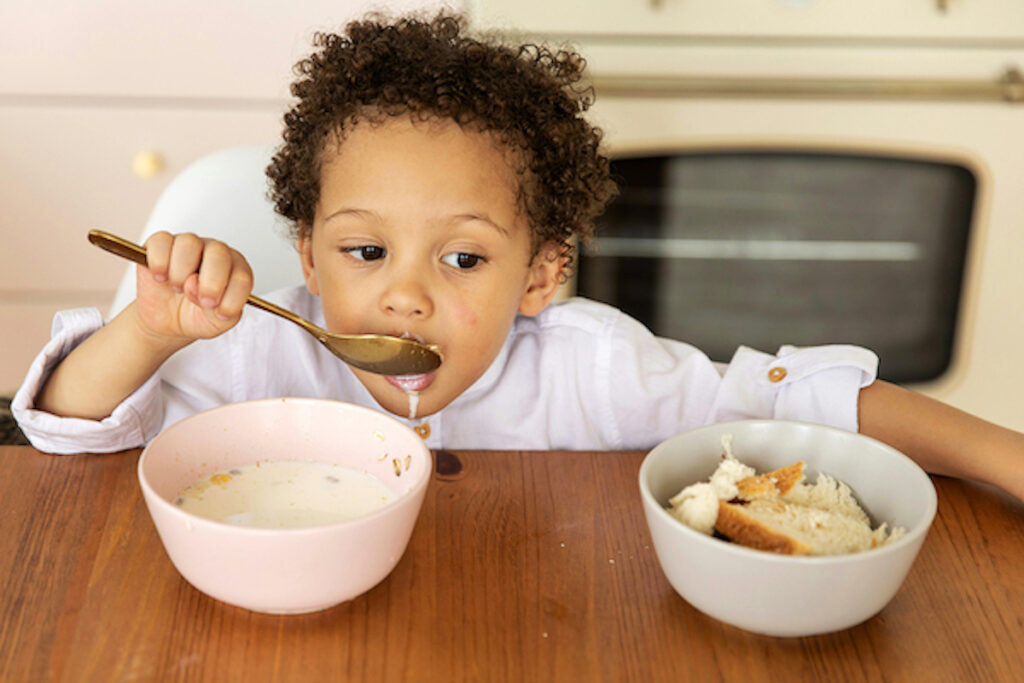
x=377 y=353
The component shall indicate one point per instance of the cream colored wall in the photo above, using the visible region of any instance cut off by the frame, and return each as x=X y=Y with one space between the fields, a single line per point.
x=86 y=90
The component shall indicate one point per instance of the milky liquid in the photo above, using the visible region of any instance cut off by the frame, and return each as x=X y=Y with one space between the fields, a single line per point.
x=414 y=402
x=285 y=494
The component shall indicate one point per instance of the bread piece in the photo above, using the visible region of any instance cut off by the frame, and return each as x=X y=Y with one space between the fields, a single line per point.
x=777 y=511
x=771 y=484
x=697 y=504
x=823 y=519
x=754 y=530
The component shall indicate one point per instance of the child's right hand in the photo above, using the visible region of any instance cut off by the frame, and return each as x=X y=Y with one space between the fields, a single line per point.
x=193 y=288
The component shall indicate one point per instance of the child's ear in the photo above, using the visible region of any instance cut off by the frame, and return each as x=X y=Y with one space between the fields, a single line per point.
x=306 y=257
x=545 y=277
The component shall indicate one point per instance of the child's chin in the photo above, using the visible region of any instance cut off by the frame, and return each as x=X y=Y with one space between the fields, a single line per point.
x=398 y=404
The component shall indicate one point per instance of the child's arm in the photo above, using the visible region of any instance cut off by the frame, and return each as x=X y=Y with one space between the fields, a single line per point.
x=192 y=289
x=942 y=439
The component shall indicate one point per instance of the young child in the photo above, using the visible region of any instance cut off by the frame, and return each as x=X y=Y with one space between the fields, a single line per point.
x=435 y=184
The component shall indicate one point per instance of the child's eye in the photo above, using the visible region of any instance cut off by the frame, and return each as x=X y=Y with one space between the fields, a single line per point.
x=366 y=253
x=462 y=260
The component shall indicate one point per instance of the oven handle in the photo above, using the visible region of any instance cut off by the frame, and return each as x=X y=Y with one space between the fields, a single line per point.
x=1008 y=87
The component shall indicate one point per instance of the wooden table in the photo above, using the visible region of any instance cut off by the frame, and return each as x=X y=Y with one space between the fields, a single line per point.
x=522 y=567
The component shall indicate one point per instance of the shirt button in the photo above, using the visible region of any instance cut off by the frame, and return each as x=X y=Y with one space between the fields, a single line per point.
x=423 y=430
x=777 y=374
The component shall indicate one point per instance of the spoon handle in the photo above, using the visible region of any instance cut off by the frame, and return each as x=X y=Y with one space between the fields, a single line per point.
x=119 y=246
x=317 y=332
x=133 y=252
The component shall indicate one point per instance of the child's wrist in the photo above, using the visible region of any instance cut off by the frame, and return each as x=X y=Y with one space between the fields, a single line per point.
x=159 y=345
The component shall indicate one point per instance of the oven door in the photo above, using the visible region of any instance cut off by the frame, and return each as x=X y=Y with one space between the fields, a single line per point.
x=763 y=247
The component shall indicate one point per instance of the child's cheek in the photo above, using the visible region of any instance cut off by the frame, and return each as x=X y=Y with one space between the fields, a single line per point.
x=466 y=317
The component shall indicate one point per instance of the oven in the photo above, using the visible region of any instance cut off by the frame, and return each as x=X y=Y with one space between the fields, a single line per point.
x=799 y=175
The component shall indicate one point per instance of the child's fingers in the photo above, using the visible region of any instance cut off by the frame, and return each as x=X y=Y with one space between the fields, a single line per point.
x=190 y=287
x=214 y=272
x=208 y=272
x=238 y=289
x=186 y=255
x=158 y=254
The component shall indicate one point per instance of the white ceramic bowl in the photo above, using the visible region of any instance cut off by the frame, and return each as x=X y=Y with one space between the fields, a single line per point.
x=782 y=595
x=285 y=570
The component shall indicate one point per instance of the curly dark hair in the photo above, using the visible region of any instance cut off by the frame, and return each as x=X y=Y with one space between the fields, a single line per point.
x=527 y=96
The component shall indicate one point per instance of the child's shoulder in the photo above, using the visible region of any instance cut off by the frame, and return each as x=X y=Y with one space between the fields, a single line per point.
x=580 y=315
x=593 y=332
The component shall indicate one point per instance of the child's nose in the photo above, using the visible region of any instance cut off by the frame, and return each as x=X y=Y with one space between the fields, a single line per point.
x=407 y=297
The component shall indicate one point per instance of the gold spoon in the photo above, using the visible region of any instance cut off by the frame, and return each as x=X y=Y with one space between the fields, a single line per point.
x=376 y=353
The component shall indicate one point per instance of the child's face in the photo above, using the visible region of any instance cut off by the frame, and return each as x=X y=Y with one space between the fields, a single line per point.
x=418 y=233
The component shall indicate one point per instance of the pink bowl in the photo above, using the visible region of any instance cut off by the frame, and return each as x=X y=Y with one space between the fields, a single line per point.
x=285 y=571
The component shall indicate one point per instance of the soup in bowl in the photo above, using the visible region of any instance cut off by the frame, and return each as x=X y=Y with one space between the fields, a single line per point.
x=285 y=505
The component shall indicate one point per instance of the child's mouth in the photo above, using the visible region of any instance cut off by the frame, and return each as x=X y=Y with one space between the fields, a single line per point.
x=412 y=382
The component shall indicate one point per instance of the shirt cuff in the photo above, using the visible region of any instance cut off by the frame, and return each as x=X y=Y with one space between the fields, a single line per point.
x=819 y=384
x=126 y=427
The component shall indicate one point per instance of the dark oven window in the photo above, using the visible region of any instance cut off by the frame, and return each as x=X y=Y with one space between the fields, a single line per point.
x=766 y=248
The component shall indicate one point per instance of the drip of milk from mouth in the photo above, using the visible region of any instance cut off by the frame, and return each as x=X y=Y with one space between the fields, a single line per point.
x=414 y=402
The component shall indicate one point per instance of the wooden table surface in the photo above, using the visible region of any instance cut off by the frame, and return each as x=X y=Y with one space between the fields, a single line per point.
x=522 y=567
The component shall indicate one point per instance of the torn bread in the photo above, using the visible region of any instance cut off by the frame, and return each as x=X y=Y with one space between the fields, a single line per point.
x=778 y=512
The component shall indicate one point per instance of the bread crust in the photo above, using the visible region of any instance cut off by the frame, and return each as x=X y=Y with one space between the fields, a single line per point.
x=741 y=528
x=771 y=484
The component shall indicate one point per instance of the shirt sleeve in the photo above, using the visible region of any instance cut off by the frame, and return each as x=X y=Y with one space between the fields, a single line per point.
x=818 y=384
x=657 y=387
x=131 y=423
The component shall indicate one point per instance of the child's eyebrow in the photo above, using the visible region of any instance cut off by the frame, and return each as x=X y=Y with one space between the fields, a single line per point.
x=484 y=218
x=454 y=218
x=346 y=211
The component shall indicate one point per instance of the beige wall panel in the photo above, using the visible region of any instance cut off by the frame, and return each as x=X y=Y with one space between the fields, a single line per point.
x=184 y=48
x=65 y=170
